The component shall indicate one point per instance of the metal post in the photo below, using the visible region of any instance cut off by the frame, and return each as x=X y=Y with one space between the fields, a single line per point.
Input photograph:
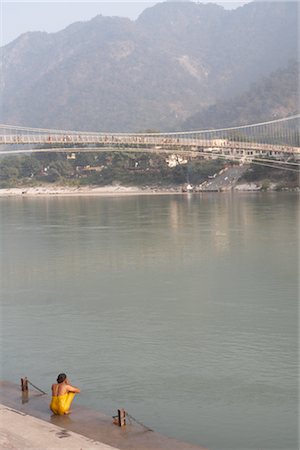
x=24 y=384
x=121 y=417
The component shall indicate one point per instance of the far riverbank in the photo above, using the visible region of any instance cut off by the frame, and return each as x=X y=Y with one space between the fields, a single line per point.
x=57 y=190
x=83 y=191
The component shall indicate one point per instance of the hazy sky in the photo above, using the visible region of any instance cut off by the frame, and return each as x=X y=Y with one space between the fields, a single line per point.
x=51 y=16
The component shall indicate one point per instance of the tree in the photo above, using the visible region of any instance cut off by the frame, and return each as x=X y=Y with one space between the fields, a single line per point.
x=59 y=169
x=9 y=168
x=30 y=166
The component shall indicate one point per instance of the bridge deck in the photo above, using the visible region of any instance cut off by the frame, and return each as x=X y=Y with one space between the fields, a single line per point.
x=159 y=142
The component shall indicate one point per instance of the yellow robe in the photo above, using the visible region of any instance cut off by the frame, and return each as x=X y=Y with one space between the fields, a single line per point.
x=60 y=404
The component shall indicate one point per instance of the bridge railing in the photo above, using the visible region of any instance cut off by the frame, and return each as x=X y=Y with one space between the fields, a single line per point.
x=280 y=132
x=218 y=146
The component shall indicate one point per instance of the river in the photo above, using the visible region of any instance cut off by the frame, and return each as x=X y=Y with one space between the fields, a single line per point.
x=183 y=309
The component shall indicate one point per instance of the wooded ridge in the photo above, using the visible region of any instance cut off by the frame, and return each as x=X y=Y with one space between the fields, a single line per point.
x=176 y=60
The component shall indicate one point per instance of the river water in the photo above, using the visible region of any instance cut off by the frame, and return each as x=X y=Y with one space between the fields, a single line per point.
x=183 y=309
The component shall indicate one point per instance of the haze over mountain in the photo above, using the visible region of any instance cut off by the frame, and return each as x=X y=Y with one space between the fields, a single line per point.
x=270 y=98
x=114 y=74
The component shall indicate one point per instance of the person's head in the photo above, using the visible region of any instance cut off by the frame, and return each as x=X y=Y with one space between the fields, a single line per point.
x=61 y=377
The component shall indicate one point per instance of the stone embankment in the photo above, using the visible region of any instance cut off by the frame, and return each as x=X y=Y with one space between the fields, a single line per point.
x=225 y=180
x=26 y=422
x=229 y=179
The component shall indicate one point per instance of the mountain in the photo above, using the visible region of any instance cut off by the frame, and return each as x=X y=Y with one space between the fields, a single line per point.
x=272 y=97
x=114 y=74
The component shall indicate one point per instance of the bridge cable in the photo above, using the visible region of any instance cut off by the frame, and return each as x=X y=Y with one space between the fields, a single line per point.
x=274 y=166
x=284 y=119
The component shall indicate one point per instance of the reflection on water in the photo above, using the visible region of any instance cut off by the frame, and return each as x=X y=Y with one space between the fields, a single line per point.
x=182 y=309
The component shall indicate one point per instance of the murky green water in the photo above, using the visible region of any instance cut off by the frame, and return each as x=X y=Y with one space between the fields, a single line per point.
x=181 y=309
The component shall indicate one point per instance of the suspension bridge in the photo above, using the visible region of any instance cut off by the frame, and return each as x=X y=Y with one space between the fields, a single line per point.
x=273 y=141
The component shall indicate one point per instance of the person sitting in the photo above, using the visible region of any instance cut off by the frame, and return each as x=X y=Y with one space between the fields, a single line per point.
x=62 y=395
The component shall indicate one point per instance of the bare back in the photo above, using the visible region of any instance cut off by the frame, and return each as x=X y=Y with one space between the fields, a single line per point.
x=58 y=389
x=63 y=388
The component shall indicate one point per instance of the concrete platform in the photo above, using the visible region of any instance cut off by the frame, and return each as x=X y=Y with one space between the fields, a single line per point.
x=97 y=427
x=19 y=431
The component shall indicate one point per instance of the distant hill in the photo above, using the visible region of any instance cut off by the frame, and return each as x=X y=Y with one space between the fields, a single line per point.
x=121 y=75
x=273 y=97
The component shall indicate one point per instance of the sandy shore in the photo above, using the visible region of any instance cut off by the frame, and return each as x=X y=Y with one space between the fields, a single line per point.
x=19 y=431
x=110 y=190
x=83 y=191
